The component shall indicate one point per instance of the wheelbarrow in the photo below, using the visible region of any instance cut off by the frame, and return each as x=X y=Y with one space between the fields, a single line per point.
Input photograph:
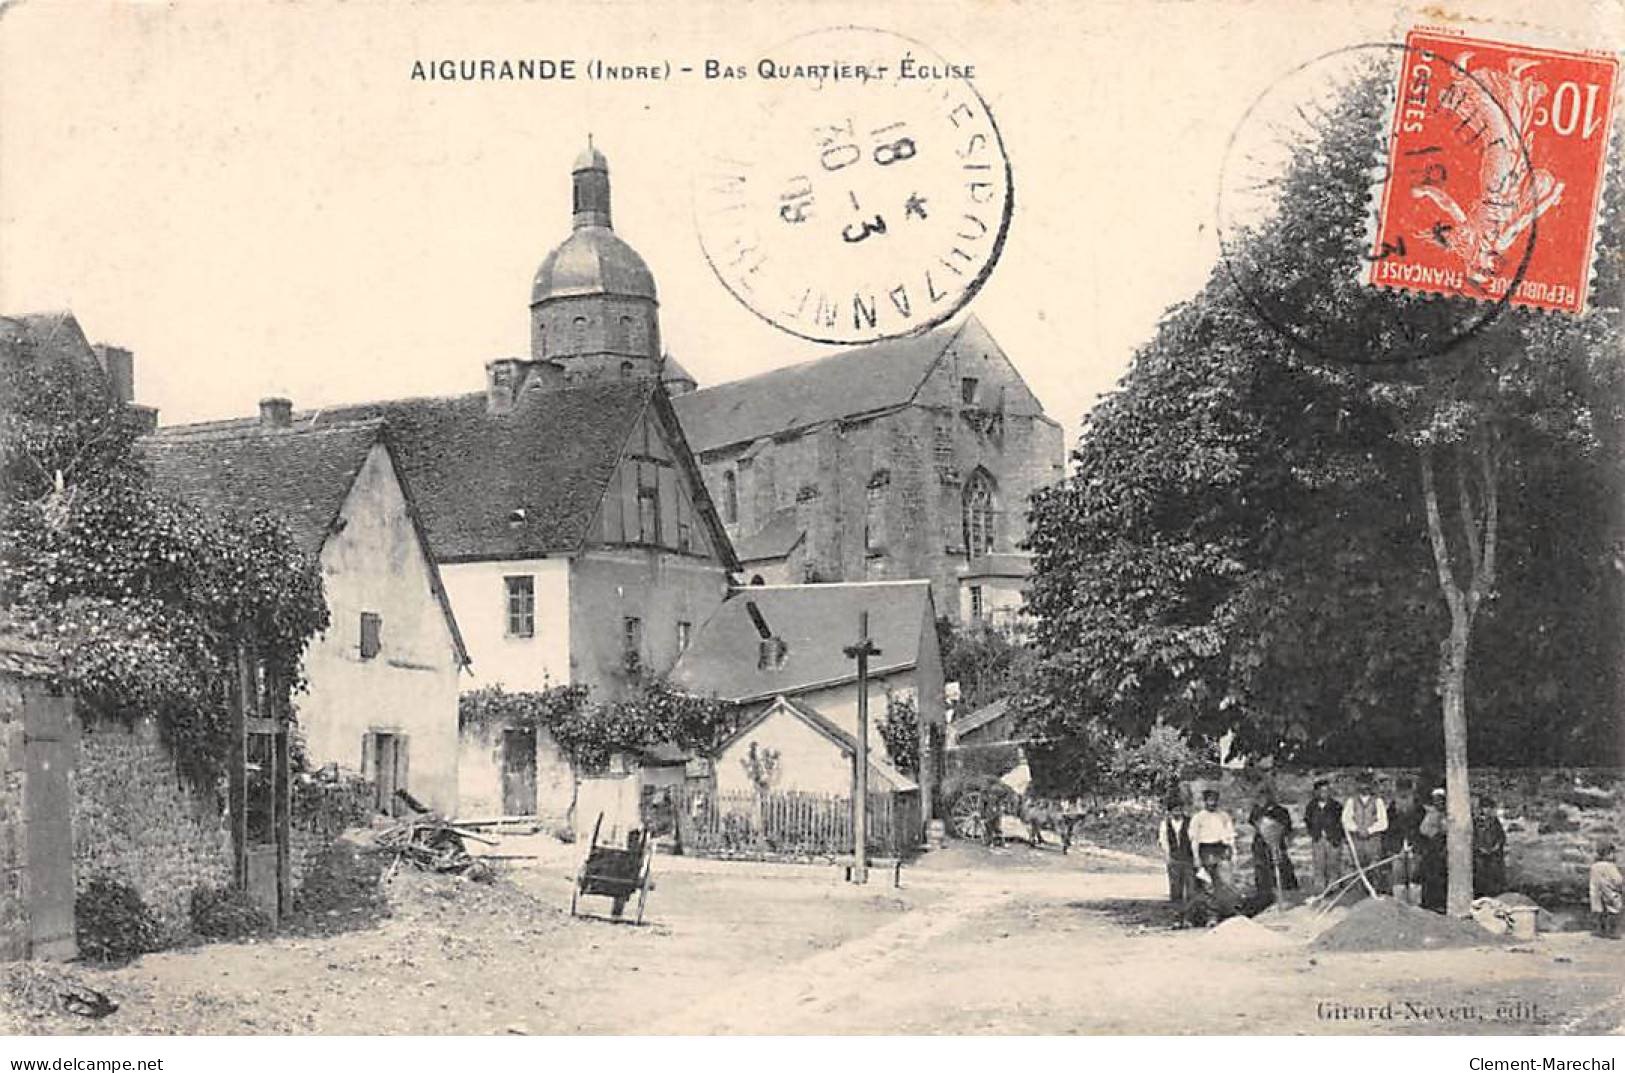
x=615 y=873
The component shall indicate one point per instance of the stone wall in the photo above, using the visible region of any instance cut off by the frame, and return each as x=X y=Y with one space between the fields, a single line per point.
x=14 y=928
x=1554 y=818
x=137 y=821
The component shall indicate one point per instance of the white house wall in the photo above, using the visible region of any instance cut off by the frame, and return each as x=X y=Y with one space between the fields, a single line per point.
x=479 y=597
x=808 y=761
x=375 y=563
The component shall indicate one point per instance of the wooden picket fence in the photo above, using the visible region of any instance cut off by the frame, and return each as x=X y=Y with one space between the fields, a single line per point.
x=791 y=824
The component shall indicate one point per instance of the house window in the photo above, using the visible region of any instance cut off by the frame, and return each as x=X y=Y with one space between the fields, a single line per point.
x=874 y=505
x=521 y=604
x=632 y=641
x=372 y=625
x=626 y=370
x=942 y=446
x=684 y=631
x=976 y=602
x=967 y=390
x=730 y=498
x=979 y=515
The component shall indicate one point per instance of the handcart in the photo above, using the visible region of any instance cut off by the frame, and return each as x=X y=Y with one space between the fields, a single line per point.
x=615 y=873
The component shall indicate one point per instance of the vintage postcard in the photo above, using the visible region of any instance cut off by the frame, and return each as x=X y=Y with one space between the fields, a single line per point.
x=1009 y=518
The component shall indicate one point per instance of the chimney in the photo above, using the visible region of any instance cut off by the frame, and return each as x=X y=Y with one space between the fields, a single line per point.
x=503 y=379
x=276 y=412
x=118 y=364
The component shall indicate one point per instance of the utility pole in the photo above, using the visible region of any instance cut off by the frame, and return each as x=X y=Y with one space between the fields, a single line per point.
x=860 y=794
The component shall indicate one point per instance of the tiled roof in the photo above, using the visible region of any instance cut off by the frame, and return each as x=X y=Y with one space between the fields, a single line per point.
x=500 y=486
x=816 y=623
x=53 y=335
x=300 y=476
x=774 y=540
x=877 y=377
x=829 y=729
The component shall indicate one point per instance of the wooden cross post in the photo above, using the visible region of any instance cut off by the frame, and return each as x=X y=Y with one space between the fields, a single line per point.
x=860 y=794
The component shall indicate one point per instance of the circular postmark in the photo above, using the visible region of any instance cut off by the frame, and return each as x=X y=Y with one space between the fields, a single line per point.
x=865 y=196
x=1374 y=204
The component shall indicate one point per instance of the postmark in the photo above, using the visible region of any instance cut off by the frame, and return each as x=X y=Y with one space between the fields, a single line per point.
x=1493 y=144
x=1303 y=174
x=866 y=196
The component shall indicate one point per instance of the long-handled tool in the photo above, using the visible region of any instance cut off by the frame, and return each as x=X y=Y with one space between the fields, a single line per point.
x=1358 y=867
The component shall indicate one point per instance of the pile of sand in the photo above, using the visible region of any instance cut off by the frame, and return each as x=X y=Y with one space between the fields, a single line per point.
x=1385 y=924
x=1244 y=933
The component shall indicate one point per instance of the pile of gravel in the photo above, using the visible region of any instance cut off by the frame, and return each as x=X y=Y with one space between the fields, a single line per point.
x=1386 y=924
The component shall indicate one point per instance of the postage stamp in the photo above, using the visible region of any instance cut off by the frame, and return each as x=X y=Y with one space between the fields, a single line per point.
x=870 y=199
x=1495 y=170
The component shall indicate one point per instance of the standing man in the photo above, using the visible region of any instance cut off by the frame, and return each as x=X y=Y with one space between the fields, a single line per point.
x=1323 y=820
x=1213 y=847
x=1365 y=818
x=1607 y=893
x=1401 y=840
x=1489 y=850
x=1430 y=837
x=1174 y=836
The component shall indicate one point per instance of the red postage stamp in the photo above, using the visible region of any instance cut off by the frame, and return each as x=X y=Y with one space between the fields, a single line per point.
x=1494 y=173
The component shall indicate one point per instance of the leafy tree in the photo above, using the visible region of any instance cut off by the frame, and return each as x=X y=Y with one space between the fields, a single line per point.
x=987 y=661
x=1308 y=552
x=149 y=599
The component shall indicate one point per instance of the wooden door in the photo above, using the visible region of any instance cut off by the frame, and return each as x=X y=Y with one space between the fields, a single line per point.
x=48 y=882
x=518 y=771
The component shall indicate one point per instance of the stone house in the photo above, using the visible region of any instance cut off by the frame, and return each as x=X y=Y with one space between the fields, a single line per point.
x=383 y=679
x=814 y=755
x=772 y=641
x=908 y=458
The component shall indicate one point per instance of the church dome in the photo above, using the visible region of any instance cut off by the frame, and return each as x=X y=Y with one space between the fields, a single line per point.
x=593 y=260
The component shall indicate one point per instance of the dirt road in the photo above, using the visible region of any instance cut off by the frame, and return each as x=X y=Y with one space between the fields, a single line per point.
x=975 y=941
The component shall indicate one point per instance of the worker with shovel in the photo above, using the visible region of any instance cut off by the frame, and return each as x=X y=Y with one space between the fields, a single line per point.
x=1365 y=818
x=1272 y=830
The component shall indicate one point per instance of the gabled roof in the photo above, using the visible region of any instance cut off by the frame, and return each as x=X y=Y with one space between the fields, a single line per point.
x=816 y=623
x=775 y=540
x=880 y=376
x=300 y=475
x=28 y=338
x=522 y=484
x=824 y=726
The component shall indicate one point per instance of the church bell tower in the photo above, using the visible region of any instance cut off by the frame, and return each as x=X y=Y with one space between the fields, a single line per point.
x=593 y=310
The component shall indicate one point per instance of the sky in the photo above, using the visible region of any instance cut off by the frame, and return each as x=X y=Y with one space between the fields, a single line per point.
x=258 y=200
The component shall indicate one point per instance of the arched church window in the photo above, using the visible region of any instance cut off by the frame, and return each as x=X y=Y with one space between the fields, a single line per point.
x=980 y=517
x=626 y=370
x=730 y=498
x=874 y=516
x=578 y=331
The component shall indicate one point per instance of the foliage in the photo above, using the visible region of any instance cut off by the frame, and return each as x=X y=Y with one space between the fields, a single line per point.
x=900 y=730
x=329 y=801
x=590 y=732
x=1242 y=544
x=987 y=661
x=149 y=598
x=761 y=767
x=112 y=923
x=226 y=913
x=1155 y=766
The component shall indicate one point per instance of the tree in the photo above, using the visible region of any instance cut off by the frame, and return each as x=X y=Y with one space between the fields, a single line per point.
x=987 y=661
x=148 y=598
x=1262 y=538
x=900 y=730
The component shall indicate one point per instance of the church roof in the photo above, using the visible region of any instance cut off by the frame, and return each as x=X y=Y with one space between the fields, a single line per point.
x=593 y=260
x=871 y=378
x=816 y=623
x=775 y=540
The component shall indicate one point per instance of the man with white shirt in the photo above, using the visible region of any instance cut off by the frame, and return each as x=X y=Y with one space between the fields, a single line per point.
x=1213 y=846
x=1365 y=818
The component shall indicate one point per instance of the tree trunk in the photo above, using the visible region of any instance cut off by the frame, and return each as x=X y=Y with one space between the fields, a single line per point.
x=1458 y=798
x=1480 y=530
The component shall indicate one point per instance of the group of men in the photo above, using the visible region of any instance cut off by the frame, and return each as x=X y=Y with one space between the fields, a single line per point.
x=1395 y=844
